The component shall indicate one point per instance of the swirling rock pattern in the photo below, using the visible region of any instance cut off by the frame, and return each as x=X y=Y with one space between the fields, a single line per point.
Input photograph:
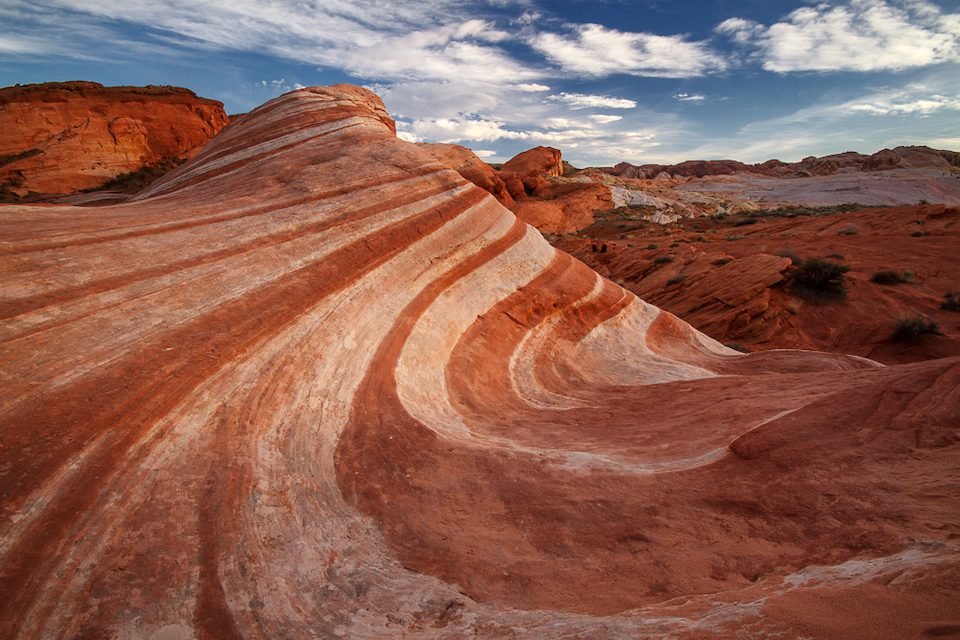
x=314 y=383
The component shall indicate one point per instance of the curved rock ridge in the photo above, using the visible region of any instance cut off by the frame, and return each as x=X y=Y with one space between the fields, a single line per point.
x=62 y=137
x=313 y=383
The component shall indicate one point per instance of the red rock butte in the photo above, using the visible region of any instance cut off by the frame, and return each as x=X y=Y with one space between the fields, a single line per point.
x=61 y=137
x=314 y=383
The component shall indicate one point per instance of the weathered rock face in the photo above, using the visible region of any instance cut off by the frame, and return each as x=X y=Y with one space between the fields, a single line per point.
x=884 y=160
x=467 y=164
x=314 y=383
x=564 y=207
x=539 y=161
x=63 y=137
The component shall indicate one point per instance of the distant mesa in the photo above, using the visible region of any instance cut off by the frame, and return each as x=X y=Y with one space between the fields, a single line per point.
x=886 y=159
x=64 y=137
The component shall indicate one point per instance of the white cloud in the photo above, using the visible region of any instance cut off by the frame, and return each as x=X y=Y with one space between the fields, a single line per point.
x=484 y=153
x=915 y=113
x=595 y=50
x=462 y=129
x=858 y=35
x=910 y=101
x=528 y=17
x=689 y=97
x=531 y=87
x=605 y=119
x=586 y=101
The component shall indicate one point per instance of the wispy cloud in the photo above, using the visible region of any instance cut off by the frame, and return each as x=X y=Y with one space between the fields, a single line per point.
x=858 y=35
x=689 y=97
x=595 y=50
x=587 y=101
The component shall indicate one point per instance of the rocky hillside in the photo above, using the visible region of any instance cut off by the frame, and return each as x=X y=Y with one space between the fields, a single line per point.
x=886 y=159
x=314 y=383
x=63 y=137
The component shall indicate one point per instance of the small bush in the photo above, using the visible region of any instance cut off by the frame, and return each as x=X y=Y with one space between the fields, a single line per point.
x=820 y=274
x=794 y=258
x=663 y=259
x=719 y=262
x=745 y=221
x=652 y=245
x=891 y=277
x=676 y=280
x=917 y=234
x=912 y=329
x=951 y=301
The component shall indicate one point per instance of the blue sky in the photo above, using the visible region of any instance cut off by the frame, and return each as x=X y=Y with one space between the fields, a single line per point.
x=641 y=81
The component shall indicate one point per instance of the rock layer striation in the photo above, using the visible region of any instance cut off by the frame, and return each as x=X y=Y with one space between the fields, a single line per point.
x=62 y=137
x=314 y=383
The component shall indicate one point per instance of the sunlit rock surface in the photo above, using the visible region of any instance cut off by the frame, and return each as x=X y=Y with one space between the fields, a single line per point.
x=314 y=383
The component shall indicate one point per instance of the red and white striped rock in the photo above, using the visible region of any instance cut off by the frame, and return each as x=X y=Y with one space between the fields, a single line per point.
x=314 y=383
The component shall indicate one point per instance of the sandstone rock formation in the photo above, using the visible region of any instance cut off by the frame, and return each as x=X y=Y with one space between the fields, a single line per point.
x=885 y=159
x=63 y=137
x=731 y=279
x=539 y=161
x=466 y=163
x=314 y=383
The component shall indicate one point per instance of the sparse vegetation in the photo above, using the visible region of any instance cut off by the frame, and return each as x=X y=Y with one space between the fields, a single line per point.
x=745 y=221
x=676 y=280
x=134 y=181
x=652 y=246
x=917 y=234
x=719 y=262
x=813 y=212
x=891 y=277
x=951 y=301
x=818 y=279
x=663 y=259
x=789 y=253
x=912 y=329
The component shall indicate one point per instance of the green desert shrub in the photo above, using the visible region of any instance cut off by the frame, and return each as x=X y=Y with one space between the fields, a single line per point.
x=912 y=329
x=891 y=277
x=789 y=253
x=951 y=301
x=663 y=259
x=820 y=274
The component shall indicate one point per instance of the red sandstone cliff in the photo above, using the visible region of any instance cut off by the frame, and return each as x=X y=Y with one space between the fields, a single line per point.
x=62 y=137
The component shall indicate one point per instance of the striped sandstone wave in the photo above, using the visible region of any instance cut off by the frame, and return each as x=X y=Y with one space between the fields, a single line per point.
x=314 y=383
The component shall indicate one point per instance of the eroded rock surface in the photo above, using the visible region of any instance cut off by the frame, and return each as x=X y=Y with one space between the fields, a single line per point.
x=62 y=137
x=314 y=383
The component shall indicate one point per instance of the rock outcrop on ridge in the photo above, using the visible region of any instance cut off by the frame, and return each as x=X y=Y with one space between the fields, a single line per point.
x=62 y=137
x=470 y=166
x=314 y=383
x=915 y=157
